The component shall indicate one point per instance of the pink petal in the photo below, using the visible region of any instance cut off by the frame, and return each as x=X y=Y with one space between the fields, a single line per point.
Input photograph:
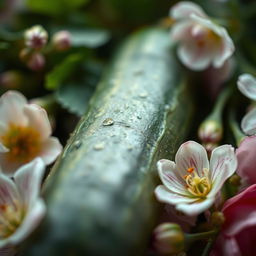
x=167 y=196
x=191 y=154
x=51 y=148
x=184 y=9
x=247 y=85
x=31 y=221
x=170 y=176
x=249 y=122
x=11 y=108
x=195 y=208
x=28 y=179
x=38 y=119
x=223 y=164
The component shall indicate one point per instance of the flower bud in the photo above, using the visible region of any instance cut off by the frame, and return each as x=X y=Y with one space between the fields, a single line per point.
x=210 y=131
x=62 y=40
x=169 y=238
x=36 y=62
x=25 y=54
x=36 y=37
x=217 y=219
x=11 y=79
x=235 y=180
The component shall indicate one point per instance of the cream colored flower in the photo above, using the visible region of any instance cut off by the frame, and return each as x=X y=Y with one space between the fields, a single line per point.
x=191 y=183
x=202 y=43
x=24 y=133
x=21 y=207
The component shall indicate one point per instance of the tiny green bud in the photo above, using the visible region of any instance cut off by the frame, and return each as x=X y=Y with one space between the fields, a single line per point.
x=235 y=180
x=210 y=131
x=217 y=219
x=169 y=239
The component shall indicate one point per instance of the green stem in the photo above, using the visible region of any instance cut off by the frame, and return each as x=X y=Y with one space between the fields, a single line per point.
x=208 y=247
x=235 y=128
x=199 y=236
x=220 y=104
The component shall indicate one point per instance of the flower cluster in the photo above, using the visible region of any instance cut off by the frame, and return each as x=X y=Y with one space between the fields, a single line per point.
x=35 y=40
x=26 y=147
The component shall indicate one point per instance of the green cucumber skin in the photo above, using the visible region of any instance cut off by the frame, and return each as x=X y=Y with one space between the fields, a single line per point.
x=100 y=194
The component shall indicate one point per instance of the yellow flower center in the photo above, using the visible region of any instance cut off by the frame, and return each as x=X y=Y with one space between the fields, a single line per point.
x=11 y=216
x=23 y=143
x=198 y=186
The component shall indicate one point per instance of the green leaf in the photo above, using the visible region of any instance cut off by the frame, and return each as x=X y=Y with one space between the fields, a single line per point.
x=91 y=38
x=74 y=97
x=54 y=7
x=60 y=73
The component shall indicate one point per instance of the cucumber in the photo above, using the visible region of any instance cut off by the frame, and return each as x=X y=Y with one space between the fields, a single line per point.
x=100 y=193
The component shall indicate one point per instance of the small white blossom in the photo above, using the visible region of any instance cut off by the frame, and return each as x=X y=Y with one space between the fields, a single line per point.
x=21 y=207
x=247 y=85
x=191 y=183
x=36 y=37
x=202 y=43
x=24 y=133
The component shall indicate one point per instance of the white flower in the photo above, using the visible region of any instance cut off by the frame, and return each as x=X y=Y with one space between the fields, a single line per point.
x=20 y=206
x=247 y=85
x=192 y=183
x=24 y=133
x=202 y=42
x=36 y=37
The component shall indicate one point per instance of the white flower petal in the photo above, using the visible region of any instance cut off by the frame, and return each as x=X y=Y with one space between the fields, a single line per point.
x=191 y=154
x=247 y=85
x=38 y=119
x=167 y=196
x=31 y=221
x=193 y=57
x=11 y=108
x=3 y=149
x=170 y=176
x=8 y=191
x=184 y=9
x=28 y=179
x=181 y=31
x=223 y=164
x=195 y=208
x=51 y=148
x=249 y=122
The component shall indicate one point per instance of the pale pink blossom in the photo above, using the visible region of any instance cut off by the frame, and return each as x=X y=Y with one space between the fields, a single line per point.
x=247 y=85
x=246 y=159
x=62 y=40
x=202 y=42
x=24 y=133
x=238 y=234
x=21 y=207
x=192 y=183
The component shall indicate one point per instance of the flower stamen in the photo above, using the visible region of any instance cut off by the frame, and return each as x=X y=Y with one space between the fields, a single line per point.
x=23 y=143
x=196 y=185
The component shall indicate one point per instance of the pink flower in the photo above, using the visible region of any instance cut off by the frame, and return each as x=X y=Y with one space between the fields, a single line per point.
x=238 y=234
x=36 y=37
x=191 y=183
x=247 y=161
x=62 y=40
x=24 y=133
x=21 y=207
x=201 y=42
